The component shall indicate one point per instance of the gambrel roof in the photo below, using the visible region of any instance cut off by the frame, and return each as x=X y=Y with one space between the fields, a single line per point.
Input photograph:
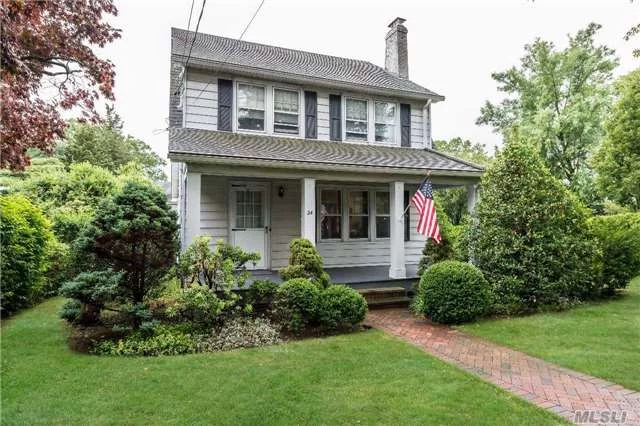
x=260 y=60
x=303 y=152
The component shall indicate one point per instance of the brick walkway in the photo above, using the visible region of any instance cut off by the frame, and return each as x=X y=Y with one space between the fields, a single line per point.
x=558 y=389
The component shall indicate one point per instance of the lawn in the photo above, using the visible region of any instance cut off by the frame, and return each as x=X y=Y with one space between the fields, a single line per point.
x=366 y=378
x=601 y=339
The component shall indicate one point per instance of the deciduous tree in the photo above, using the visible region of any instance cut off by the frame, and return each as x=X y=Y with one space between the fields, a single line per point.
x=47 y=46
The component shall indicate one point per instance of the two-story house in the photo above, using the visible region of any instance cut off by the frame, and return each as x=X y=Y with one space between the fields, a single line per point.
x=268 y=144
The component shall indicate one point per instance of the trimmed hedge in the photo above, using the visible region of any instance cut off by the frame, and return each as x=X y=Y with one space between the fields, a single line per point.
x=452 y=292
x=297 y=303
x=25 y=238
x=619 y=239
x=341 y=306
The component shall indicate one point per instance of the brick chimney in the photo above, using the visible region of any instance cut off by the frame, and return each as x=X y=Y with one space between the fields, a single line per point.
x=396 y=55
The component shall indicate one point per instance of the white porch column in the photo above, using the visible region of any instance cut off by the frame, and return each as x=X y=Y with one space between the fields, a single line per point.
x=192 y=213
x=472 y=198
x=396 y=201
x=308 y=209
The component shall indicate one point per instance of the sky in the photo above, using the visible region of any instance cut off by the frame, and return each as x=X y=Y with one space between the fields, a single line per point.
x=454 y=46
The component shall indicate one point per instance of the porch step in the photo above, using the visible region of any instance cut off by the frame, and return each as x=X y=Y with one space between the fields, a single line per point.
x=385 y=297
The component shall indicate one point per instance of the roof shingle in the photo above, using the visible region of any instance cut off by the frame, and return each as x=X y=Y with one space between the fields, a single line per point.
x=210 y=143
x=231 y=52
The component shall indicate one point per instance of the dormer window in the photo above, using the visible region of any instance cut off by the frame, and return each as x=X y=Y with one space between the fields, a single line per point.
x=385 y=121
x=286 y=111
x=250 y=107
x=356 y=123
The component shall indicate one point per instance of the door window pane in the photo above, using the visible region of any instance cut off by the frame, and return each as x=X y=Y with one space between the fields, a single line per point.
x=385 y=121
x=250 y=107
x=358 y=214
x=249 y=209
x=286 y=110
x=330 y=214
x=356 y=119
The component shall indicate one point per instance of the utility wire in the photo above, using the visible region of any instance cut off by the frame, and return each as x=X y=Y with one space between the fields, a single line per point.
x=234 y=48
x=184 y=50
x=195 y=34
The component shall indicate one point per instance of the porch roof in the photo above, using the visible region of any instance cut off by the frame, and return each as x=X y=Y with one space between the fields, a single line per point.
x=191 y=144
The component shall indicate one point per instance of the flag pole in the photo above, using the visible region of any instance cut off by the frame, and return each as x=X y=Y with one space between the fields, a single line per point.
x=419 y=185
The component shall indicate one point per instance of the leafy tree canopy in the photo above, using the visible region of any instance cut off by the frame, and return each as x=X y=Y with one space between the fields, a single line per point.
x=618 y=160
x=558 y=99
x=106 y=146
x=49 y=44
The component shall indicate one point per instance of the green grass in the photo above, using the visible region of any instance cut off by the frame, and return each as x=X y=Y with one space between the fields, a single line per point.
x=600 y=339
x=366 y=378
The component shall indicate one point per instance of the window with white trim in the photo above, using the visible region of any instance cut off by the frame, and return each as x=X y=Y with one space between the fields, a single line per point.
x=356 y=123
x=358 y=202
x=286 y=110
x=385 y=120
x=383 y=215
x=251 y=107
x=330 y=214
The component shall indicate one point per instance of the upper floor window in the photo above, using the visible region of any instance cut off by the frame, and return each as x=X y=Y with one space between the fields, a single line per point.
x=250 y=107
x=385 y=121
x=286 y=110
x=356 y=123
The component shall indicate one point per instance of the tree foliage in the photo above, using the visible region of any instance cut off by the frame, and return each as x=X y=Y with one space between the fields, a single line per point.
x=134 y=232
x=106 y=146
x=558 y=99
x=48 y=45
x=453 y=201
x=618 y=160
x=305 y=262
x=532 y=240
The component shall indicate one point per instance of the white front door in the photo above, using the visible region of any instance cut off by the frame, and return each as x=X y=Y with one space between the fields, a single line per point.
x=250 y=221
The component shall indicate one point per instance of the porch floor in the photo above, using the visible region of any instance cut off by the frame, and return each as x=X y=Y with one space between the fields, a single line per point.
x=356 y=276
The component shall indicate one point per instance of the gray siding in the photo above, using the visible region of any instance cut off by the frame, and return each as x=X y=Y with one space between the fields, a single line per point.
x=175 y=113
x=214 y=213
x=201 y=101
x=323 y=116
x=285 y=220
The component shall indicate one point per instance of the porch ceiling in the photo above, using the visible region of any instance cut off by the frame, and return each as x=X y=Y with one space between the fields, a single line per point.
x=224 y=147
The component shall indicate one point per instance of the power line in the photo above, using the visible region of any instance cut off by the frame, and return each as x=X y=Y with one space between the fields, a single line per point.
x=188 y=27
x=195 y=34
x=251 y=21
x=234 y=48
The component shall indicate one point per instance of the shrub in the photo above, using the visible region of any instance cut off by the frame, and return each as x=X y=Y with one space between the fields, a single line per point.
x=437 y=252
x=305 y=262
x=199 y=305
x=296 y=303
x=91 y=291
x=24 y=237
x=619 y=240
x=341 y=306
x=241 y=333
x=532 y=240
x=134 y=232
x=164 y=341
x=453 y=292
x=262 y=291
x=58 y=267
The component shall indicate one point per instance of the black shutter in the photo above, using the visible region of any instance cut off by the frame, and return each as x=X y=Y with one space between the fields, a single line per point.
x=225 y=104
x=405 y=125
x=311 y=115
x=335 y=118
x=407 y=217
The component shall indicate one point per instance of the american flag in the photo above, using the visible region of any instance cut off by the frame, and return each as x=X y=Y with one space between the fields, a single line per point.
x=424 y=204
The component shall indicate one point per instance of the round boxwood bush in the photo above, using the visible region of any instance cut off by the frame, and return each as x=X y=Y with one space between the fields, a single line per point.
x=341 y=306
x=453 y=292
x=296 y=303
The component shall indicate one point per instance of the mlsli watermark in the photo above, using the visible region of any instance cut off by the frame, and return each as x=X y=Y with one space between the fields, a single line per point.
x=596 y=416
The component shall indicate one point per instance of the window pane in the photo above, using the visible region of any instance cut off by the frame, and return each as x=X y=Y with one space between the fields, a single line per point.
x=285 y=101
x=330 y=227
x=330 y=202
x=385 y=112
x=358 y=227
x=356 y=110
x=382 y=203
x=358 y=203
x=384 y=133
x=250 y=96
x=382 y=227
x=250 y=119
x=285 y=123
